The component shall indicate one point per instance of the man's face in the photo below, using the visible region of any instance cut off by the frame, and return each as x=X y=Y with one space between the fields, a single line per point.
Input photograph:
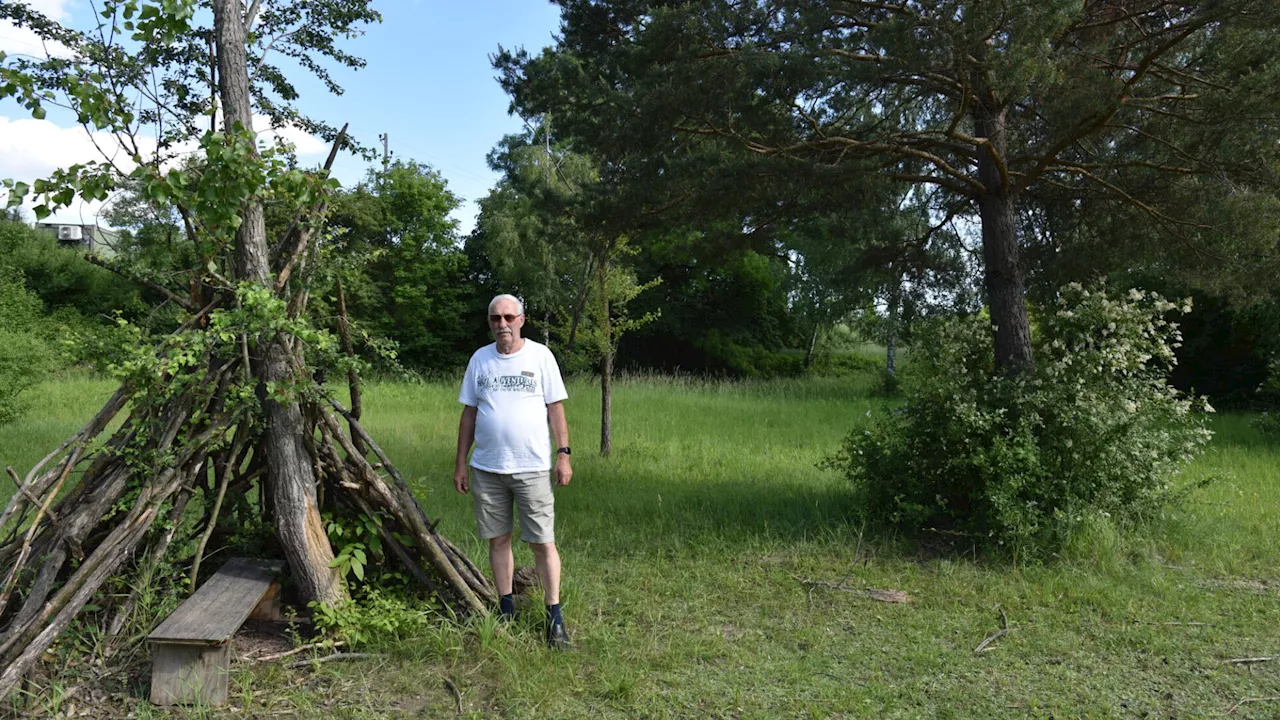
x=505 y=321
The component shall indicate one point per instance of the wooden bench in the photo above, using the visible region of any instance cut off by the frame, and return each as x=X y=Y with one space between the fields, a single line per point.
x=191 y=650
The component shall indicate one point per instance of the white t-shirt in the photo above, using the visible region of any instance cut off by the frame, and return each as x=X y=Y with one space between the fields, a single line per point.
x=511 y=394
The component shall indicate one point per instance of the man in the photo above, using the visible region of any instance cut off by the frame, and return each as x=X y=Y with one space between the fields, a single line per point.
x=511 y=391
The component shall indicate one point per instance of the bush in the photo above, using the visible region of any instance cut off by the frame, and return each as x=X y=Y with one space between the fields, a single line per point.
x=26 y=353
x=62 y=278
x=1094 y=432
x=846 y=364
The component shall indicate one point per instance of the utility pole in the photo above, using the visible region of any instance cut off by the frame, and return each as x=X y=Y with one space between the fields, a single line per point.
x=386 y=154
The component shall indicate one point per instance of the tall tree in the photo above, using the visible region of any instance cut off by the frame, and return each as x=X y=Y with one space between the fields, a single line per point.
x=545 y=215
x=290 y=479
x=411 y=286
x=980 y=105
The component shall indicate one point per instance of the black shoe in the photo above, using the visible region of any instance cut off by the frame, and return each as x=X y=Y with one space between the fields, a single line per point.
x=557 y=637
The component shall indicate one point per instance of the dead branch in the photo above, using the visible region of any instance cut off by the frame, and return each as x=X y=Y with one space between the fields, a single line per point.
x=1232 y=709
x=335 y=656
x=1247 y=661
x=353 y=377
x=453 y=689
x=295 y=651
x=318 y=209
x=1004 y=630
x=27 y=492
x=404 y=507
x=169 y=295
x=24 y=553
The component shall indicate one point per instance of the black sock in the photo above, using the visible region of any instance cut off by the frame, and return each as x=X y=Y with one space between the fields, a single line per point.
x=507 y=604
x=553 y=614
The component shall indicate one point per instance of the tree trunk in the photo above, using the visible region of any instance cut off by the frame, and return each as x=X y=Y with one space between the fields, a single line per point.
x=1006 y=292
x=290 y=475
x=891 y=332
x=606 y=366
x=578 y=304
x=813 y=345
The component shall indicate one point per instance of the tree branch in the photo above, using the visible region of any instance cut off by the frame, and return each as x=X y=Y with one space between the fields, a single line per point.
x=304 y=235
x=169 y=294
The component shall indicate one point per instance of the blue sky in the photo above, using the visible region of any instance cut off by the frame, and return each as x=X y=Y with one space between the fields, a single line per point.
x=428 y=84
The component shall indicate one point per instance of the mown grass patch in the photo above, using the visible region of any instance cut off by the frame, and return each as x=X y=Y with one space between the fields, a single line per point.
x=685 y=556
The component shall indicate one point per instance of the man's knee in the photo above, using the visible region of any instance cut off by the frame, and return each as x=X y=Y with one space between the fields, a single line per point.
x=542 y=549
x=500 y=542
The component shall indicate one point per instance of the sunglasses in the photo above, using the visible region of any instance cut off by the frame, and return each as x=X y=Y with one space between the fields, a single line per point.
x=495 y=319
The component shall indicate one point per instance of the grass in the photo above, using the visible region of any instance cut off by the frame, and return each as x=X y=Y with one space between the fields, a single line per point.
x=684 y=556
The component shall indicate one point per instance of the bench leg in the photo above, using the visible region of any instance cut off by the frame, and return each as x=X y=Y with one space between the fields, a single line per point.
x=189 y=674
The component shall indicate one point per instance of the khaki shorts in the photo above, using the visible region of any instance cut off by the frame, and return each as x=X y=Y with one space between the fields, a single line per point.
x=494 y=495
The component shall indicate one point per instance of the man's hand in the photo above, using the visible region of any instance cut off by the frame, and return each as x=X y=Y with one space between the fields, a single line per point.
x=564 y=471
x=460 y=480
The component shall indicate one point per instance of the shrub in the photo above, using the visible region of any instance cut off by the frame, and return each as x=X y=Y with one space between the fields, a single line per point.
x=847 y=364
x=63 y=279
x=26 y=353
x=1095 y=431
x=1268 y=395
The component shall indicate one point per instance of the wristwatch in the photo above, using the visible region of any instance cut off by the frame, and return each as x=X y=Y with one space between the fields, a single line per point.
x=563 y=451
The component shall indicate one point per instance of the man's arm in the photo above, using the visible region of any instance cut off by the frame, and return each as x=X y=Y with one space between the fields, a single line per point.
x=466 y=438
x=560 y=431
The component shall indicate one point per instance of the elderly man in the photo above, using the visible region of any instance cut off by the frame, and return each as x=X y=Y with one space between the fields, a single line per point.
x=511 y=391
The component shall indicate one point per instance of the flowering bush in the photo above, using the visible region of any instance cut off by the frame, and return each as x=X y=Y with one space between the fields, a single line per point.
x=1023 y=458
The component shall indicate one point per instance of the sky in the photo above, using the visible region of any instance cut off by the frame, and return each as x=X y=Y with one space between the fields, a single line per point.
x=428 y=85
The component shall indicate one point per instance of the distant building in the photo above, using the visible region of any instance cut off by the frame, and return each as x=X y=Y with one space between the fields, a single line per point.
x=84 y=238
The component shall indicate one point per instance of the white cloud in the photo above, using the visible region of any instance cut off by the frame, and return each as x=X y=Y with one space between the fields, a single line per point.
x=20 y=41
x=31 y=149
x=304 y=143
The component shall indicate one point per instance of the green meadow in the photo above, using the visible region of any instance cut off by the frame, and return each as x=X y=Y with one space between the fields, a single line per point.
x=711 y=569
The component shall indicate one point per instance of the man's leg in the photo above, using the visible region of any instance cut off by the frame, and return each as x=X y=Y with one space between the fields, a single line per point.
x=493 y=506
x=502 y=562
x=547 y=559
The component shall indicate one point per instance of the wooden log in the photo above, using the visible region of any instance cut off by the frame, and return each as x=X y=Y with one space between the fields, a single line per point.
x=71 y=599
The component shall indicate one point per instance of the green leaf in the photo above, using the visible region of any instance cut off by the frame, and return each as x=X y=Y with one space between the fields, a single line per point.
x=38 y=112
x=41 y=211
x=359 y=570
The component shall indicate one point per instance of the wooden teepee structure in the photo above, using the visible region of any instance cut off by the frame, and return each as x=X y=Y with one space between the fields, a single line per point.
x=228 y=407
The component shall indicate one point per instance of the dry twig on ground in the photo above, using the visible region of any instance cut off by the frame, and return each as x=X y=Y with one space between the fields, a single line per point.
x=1004 y=630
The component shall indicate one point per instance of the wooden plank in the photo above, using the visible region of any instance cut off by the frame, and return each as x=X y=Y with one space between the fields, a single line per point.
x=214 y=613
x=184 y=674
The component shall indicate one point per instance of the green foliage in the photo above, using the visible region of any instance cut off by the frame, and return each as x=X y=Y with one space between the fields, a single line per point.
x=409 y=284
x=62 y=278
x=26 y=352
x=847 y=364
x=379 y=617
x=1024 y=459
x=1269 y=392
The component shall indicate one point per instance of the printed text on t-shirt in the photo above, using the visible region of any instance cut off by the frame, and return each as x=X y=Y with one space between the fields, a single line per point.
x=506 y=383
